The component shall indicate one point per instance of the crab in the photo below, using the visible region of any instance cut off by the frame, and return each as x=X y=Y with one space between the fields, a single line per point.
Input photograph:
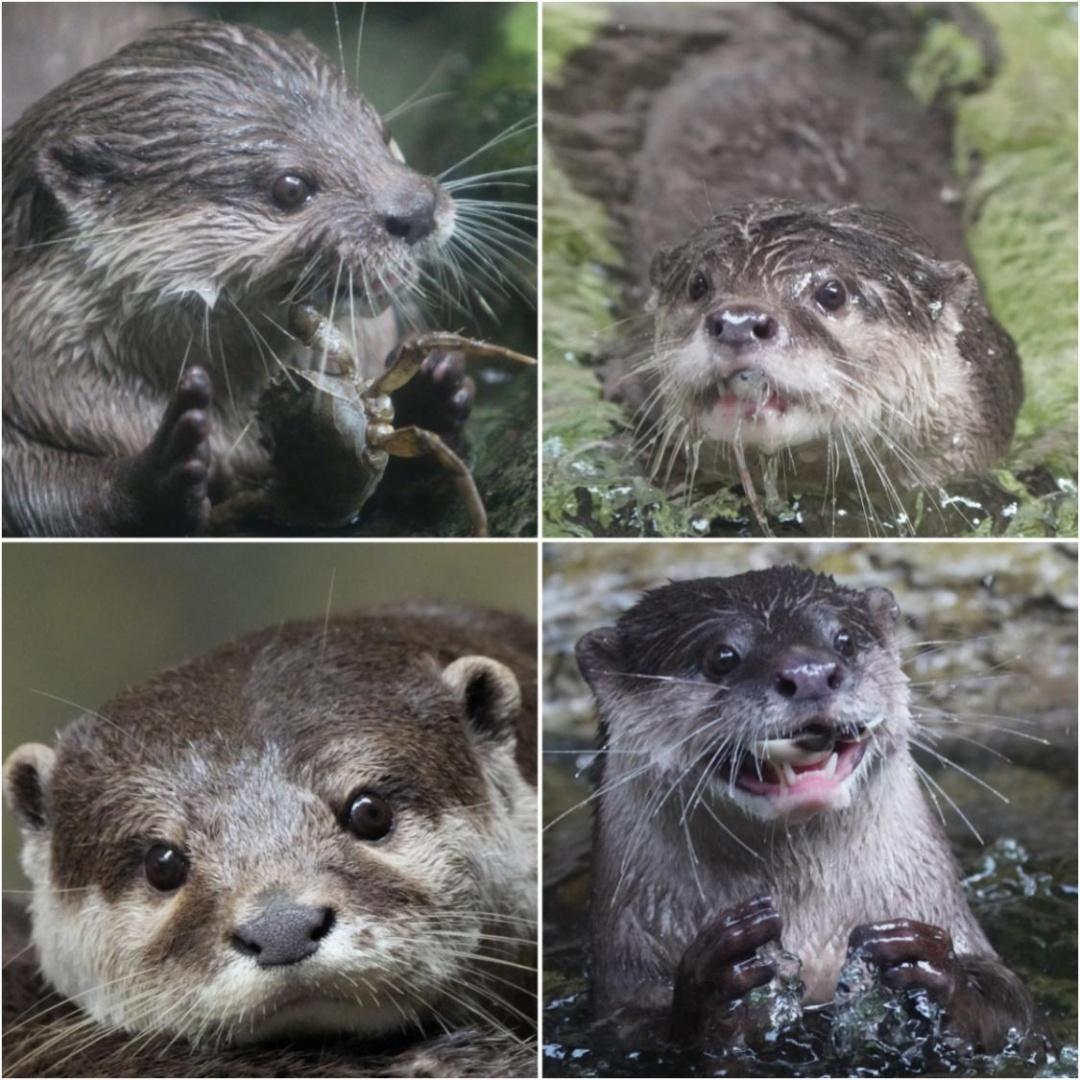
x=330 y=432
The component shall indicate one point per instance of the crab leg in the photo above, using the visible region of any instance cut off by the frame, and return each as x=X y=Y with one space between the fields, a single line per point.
x=321 y=336
x=414 y=348
x=417 y=442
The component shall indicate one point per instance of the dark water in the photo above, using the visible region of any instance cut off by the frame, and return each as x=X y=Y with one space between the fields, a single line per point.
x=1008 y=615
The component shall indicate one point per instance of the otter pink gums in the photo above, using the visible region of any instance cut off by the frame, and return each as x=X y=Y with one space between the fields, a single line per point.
x=162 y=211
x=758 y=787
x=315 y=836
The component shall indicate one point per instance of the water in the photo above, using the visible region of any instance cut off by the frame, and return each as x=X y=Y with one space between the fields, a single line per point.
x=1008 y=615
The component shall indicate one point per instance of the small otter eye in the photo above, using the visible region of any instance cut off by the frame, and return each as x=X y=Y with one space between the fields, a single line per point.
x=721 y=661
x=699 y=285
x=290 y=191
x=369 y=816
x=843 y=644
x=166 y=867
x=831 y=296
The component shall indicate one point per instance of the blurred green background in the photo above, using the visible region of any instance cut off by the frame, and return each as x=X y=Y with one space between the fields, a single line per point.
x=83 y=621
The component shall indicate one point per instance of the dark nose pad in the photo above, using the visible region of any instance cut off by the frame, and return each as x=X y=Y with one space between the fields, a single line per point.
x=805 y=679
x=408 y=213
x=739 y=325
x=283 y=934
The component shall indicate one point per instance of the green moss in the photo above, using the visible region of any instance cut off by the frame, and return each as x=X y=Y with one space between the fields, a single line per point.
x=948 y=63
x=568 y=27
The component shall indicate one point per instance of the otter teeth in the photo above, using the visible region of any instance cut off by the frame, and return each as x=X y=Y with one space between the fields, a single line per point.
x=789 y=777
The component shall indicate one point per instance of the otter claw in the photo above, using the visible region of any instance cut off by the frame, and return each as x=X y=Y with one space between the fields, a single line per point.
x=909 y=955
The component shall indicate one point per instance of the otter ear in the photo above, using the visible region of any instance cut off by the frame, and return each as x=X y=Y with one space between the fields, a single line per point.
x=884 y=609
x=27 y=773
x=599 y=656
x=960 y=282
x=489 y=692
x=75 y=167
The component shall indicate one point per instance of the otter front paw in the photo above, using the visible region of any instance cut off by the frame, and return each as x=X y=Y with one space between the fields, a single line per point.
x=439 y=397
x=169 y=480
x=722 y=963
x=910 y=955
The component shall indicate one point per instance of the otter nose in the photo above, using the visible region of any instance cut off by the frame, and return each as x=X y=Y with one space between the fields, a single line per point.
x=284 y=933
x=740 y=325
x=409 y=212
x=807 y=678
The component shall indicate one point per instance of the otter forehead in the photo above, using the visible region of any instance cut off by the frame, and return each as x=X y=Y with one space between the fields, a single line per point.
x=769 y=246
x=670 y=626
x=307 y=713
x=228 y=82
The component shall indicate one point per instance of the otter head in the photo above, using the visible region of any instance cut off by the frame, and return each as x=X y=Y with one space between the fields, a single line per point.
x=780 y=324
x=305 y=832
x=221 y=167
x=777 y=691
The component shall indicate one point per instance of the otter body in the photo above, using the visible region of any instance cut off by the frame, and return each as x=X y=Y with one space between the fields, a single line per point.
x=774 y=180
x=162 y=211
x=314 y=837
x=758 y=787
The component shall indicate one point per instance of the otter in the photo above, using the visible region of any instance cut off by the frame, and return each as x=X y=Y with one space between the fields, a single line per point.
x=315 y=844
x=773 y=180
x=832 y=334
x=758 y=788
x=162 y=211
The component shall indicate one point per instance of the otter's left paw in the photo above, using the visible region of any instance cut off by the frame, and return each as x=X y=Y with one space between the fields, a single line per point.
x=910 y=955
x=439 y=397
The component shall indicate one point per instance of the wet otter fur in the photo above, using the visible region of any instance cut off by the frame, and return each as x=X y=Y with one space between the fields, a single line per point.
x=162 y=209
x=758 y=788
x=763 y=152
x=310 y=852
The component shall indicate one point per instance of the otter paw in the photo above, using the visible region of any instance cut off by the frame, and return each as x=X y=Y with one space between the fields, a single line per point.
x=723 y=958
x=171 y=482
x=909 y=955
x=439 y=397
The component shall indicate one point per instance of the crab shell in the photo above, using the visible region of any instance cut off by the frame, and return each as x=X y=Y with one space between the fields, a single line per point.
x=315 y=427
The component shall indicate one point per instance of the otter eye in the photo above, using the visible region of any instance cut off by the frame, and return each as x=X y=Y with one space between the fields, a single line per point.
x=831 y=295
x=843 y=644
x=166 y=867
x=290 y=191
x=699 y=285
x=369 y=816
x=721 y=661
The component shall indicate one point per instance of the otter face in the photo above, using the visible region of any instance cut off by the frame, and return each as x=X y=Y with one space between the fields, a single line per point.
x=777 y=691
x=231 y=168
x=302 y=836
x=781 y=324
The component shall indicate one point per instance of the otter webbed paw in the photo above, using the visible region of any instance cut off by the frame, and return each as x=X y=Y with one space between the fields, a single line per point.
x=722 y=964
x=439 y=397
x=910 y=955
x=169 y=480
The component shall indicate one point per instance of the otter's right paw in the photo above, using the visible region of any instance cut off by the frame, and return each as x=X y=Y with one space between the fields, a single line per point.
x=722 y=963
x=170 y=481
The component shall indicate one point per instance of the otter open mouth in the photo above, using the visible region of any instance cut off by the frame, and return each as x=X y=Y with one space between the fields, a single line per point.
x=806 y=772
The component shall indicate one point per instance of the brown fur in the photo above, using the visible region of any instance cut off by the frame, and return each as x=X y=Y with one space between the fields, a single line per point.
x=246 y=758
